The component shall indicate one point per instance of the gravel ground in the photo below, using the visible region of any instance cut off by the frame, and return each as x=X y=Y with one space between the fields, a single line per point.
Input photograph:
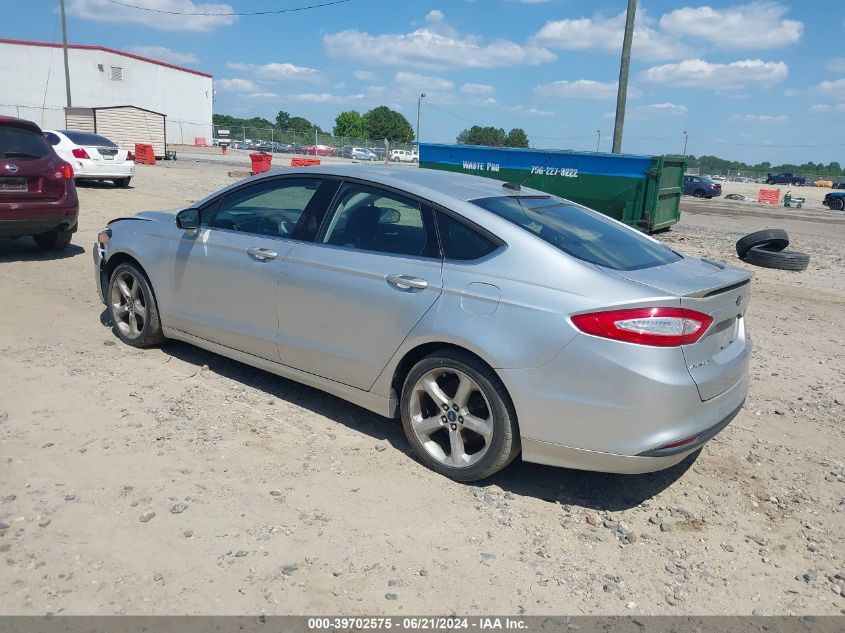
x=174 y=481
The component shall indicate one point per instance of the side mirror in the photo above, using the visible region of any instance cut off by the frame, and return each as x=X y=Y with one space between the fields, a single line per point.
x=188 y=220
x=389 y=216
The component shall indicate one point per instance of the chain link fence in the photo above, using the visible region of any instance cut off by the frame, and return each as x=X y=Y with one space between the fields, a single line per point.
x=296 y=142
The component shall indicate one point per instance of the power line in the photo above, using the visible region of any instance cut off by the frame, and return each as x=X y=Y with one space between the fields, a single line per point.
x=269 y=12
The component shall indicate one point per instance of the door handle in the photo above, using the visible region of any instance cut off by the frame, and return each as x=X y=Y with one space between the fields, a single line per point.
x=404 y=282
x=262 y=253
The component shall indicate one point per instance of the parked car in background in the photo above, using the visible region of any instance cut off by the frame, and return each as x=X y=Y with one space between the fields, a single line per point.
x=92 y=156
x=414 y=293
x=362 y=153
x=701 y=187
x=785 y=179
x=37 y=191
x=378 y=151
x=319 y=150
x=835 y=200
x=718 y=178
x=404 y=156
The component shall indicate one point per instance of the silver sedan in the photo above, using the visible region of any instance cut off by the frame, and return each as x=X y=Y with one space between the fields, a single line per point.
x=492 y=319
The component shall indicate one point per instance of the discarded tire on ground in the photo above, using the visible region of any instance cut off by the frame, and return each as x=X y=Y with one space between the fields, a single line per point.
x=772 y=239
x=784 y=260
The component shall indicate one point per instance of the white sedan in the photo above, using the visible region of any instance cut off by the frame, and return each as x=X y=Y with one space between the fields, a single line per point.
x=92 y=156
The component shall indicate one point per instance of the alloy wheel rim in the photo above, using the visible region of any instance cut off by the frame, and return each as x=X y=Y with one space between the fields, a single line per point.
x=129 y=306
x=451 y=417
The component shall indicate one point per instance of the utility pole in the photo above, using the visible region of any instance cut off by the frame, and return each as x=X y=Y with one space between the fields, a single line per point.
x=598 y=141
x=622 y=94
x=419 y=103
x=64 y=45
x=686 y=138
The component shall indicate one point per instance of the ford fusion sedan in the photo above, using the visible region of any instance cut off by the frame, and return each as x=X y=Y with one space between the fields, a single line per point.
x=494 y=320
x=93 y=157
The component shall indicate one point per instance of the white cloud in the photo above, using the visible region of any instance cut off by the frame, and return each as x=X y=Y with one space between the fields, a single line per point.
x=422 y=82
x=325 y=97
x=660 y=109
x=278 y=71
x=236 y=85
x=162 y=53
x=697 y=73
x=824 y=107
x=364 y=75
x=477 y=89
x=103 y=11
x=834 y=88
x=435 y=46
x=376 y=90
x=262 y=95
x=755 y=26
x=837 y=64
x=760 y=118
x=581 y=89
x=606 y=33
x=518 y=109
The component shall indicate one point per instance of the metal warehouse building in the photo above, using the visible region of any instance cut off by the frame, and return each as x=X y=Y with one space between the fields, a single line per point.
x=127 y=97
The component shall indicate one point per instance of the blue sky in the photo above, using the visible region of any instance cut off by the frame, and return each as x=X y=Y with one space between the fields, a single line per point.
x=749 y=81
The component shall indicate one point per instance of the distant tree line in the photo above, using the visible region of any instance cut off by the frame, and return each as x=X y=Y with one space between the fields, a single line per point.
x=716 y=165
x=376 y=124
x=493 y=137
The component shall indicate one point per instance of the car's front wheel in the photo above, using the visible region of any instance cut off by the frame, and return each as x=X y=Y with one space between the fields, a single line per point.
x=133 y=307
x=54 y=240
x=458 y=416
x=837 y=204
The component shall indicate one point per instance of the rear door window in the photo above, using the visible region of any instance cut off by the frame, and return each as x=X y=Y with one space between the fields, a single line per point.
x=580 y=232
x=22 y=144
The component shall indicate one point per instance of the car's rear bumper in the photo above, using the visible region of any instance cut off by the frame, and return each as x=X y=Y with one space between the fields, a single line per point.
x=597 y=406
x=90 y=169
x=39 y=216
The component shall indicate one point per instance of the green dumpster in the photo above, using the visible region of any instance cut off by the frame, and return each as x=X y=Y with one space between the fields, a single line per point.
x=642 y=191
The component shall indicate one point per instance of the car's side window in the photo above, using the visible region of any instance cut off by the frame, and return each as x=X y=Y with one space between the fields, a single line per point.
x=371 y=219
x=271 y=208
x=460 y=242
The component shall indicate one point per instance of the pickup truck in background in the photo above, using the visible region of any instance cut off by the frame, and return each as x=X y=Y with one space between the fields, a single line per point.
x=786 y=179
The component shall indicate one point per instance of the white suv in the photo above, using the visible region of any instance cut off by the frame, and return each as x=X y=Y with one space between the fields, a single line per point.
x=404 y=156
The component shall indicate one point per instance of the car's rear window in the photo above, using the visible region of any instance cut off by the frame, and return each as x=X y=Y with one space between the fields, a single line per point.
x=22 y=144
x=89 y=139
x=580 y=232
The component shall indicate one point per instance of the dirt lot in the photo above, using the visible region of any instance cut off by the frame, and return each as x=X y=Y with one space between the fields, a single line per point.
x=275 y=498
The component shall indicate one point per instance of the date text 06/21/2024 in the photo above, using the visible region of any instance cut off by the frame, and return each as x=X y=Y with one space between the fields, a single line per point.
x=416 y=623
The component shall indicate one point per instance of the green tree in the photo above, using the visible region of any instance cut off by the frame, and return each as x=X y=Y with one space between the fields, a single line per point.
x=382 y=122
x=488 y=136
x=349 y=123
x=283 y=120
x=517 y=138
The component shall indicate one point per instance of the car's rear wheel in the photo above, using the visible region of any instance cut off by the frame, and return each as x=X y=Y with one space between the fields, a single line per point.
x=54 y=240
x=700 y=193
x=458 y=416
x=133 y=307
x=122 y=182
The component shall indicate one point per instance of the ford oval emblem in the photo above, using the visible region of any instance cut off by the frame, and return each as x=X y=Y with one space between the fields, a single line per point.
x=12 y=169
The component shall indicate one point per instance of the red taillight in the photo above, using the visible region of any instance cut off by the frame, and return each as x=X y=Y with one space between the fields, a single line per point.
x=659 y=327
x=63 y=172
x=130 y=156
x=679 y=443
x=80 y=152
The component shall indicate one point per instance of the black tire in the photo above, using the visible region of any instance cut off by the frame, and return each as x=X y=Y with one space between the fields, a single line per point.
x=150 y=333
x=121 y=182
x=837 y=204
x=783 y=260
x=504 y=445
x=54 y=240
x=772 y=239
x=797 y=183
x=700 y=193
x=770 y=182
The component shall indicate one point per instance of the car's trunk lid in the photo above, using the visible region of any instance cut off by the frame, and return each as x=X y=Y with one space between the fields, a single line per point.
x=24 y=180
x=105 y=155
x=720 y=358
